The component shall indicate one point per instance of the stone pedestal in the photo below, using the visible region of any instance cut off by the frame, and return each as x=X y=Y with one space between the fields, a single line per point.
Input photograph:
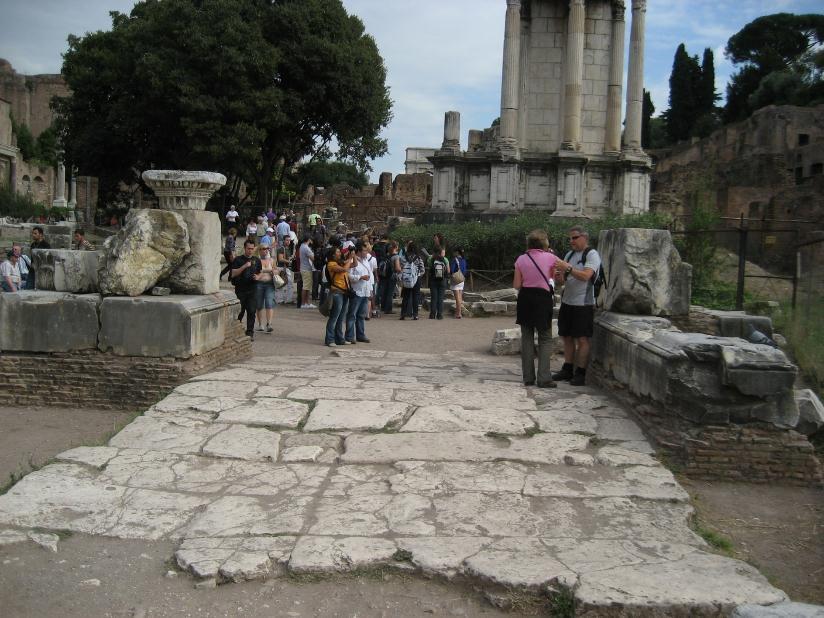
x=60 y=188
x=451 y=132
x=178 y=326
x=63 y=270
x=34 y=321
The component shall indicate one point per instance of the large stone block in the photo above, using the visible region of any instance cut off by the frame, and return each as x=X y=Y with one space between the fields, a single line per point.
x=645 y=274
x=701 y=378
x=148 y=248
x=63 y=270
x=34 y=321
x=507 y=341
x=198 y=272
x=179 y=326
x=810 y=412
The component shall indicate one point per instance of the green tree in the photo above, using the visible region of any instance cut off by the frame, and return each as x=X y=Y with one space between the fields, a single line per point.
x=648 y=110
x=776 y=43
x=705 y=94
x=244 y=87
x=25 y=140
x=683 y=100
x=323 y=173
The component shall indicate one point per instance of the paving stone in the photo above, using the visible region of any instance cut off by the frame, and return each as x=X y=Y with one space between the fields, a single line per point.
x=428 y=478
x=237 y=375
x=359 y=353
x=442 y=555
x=338 y=393
x=445 y=397
x=459 y=446
x=704 y=581
x=355 y=415
x=179 y=435
x=234 y=558
x=301 y=453
x=628 y=482
x=215 y=388
x=251 y=516
x=11 y=537
x=350 y=516
x=565 y=421
x=46 y=540
x=618 y=456
x=315 y=554
x=521 y=563
x=267 y=413
x=177 y=402
x=272 y=391
x=95 y=456
x=240 y=442
x=434 y=419
x=219 y=404
x=619 y=430
x=787 y=609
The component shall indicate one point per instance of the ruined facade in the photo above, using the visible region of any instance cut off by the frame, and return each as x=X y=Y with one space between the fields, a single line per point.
x=558 y=146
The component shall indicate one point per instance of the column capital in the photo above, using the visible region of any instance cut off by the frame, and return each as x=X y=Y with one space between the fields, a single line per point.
x=619 y=8
x=576 y=3
x=513 y=4
x=639 y=5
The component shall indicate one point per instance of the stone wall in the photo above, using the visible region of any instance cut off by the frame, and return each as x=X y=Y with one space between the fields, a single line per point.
x=30 y=95
x=97 y=380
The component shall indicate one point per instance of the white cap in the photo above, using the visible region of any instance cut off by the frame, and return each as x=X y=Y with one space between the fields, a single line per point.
x=270 y=229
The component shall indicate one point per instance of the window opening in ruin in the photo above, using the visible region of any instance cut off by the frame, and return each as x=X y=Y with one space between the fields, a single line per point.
x=816 y=169
x=803 y=139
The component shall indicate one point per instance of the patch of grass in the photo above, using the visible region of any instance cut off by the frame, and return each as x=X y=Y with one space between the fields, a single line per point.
x=532 y=431
x=715 y=539
x=402 y=555
x=562 y=603
x=14 y=477
x=804 y=329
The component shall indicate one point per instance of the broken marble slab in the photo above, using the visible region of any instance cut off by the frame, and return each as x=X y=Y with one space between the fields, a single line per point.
x=310 y=393
x=434 y=419
x=648 y=483
x=459 y=446
x=237 y=375
x=522 y=563
x=302 y=454
x=319 y=554
x=241 y=442
x=445 y=397
x=268 y=390
x=251 y=516
x=267 y=413
x=619 y=456
x=177 y=435
x=564 y=421
x=216 y=388
x=345 y=415
x=441 y=555
x=235 y=558
x=94 y=456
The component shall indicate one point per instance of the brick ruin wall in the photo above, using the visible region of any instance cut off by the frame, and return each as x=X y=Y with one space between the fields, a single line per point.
x=93 y=379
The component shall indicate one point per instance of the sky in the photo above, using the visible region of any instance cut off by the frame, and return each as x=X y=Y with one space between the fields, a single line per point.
x=440 y=55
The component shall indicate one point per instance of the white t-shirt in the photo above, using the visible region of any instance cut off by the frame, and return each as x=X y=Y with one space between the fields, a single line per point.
x=283 y=229
x=251 y=229
x=232 y=215
x=307 y=258
x=373 y=267
x=7 y=270
x=580 y=293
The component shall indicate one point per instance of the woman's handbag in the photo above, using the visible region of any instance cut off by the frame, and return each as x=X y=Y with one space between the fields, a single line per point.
x=457 y=278
x=278 y=281
x=325 y=307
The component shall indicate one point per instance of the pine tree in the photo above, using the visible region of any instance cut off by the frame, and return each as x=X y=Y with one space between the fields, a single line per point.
x=706 y=96
x=681 y=114
x=648 y=110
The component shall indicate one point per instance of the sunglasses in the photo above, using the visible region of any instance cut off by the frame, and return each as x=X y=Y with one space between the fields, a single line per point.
x=571 y=238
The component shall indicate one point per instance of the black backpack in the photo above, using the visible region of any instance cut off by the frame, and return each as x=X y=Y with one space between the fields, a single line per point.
x=600 y=280
x=385 y=268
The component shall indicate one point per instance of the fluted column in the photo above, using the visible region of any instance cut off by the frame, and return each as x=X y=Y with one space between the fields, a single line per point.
x=452 y=132
x=635 y=77
x=574 y=75
x=511 y=81
x=616 y=79
x=73 y=191
x=60 y=189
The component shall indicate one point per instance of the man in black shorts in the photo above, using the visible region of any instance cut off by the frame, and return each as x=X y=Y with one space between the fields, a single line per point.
x=243 y=275
x=577 y=313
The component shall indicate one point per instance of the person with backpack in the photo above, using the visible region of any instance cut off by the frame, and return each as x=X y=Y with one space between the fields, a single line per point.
x=337 y=274
x=389 y=268
x=580 y=269
x=438 y=277
x=244 y=275
x=534 y=271
x=360 y=284
x=412 y=268
x=458 y=265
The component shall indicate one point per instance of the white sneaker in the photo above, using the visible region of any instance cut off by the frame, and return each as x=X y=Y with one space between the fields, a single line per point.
x=332 y=345
x=309 y=306
x=259 y=329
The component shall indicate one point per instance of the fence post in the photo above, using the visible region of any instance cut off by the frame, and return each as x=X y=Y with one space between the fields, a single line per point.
x=742 y=263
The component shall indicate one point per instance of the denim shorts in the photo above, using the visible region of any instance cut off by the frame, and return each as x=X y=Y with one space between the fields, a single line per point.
x=265 y=295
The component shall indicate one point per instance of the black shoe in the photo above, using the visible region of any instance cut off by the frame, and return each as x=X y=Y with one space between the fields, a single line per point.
x=414 y=317
x=431 y=317
x=250 y=334
x=364 y=340
x=440 y=317
x=562 y=376
x=579 y=379
x=403 y=317
x=549 y=384
x=529 y=383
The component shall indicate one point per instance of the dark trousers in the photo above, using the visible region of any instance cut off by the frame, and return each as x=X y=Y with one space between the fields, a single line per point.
x=411 y=301
x=228 y=257
x=436 y=293
x=386 y=290
x=299 y=290
x=248 y=304
x=316 y=284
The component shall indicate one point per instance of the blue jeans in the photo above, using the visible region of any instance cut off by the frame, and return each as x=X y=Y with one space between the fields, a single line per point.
x=337 y=319
x=265 y=295
x=436 y=300
x=356 y=318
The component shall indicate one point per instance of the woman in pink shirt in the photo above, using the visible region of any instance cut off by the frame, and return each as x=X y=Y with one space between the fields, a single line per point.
x=534 y=273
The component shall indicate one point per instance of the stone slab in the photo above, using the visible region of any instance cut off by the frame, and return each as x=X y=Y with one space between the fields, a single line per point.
x=317 y=554
x=435 y=419
x=312 y=393
x=63 y=270
x=178 y=326
x=198 y=272
x=33 y=321
x=787 y=609
x=241 y=442
x=355 y=415
x=267 y=413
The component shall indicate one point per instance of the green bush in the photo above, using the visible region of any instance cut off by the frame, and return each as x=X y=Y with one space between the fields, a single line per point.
x=13 y=204
x=495 y=246
x=804 y=329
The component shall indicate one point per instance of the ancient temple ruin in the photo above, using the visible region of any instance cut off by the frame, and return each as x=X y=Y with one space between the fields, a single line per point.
x=558 y=146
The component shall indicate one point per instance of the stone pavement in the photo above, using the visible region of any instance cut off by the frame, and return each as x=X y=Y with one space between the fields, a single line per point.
x=442 y=464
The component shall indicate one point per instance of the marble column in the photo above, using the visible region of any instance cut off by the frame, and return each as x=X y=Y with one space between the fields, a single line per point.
x=13 y=174
x=616 y=78
x=511 y=82
x=73 y=191
x=635 y=78
x=574 y=76
x=60 y=189
x=451 y=132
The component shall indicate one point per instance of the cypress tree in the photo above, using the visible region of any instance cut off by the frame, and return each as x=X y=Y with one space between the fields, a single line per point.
x=648 y=110
x=682 y=99
x=705 y=94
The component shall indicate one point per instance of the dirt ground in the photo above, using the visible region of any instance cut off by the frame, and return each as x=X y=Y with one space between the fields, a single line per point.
x=778 y=529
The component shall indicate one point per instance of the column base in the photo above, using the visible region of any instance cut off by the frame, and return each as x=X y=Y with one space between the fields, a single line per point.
x=59 y=203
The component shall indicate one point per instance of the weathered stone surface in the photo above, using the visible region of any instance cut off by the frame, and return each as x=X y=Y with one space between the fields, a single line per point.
x=251 y=516
x=177 y=436
x=507 y=341
x=48 y=322
x=340 y=394
x=302 y=453
x=442 y=555
x=645 y=273
x=95 y=456
x=468 y=399
x=12 y=537
x=147 y=249
x=317 y=554
x=240 y=442
x=213 y=390
x=582 y=482
x=267 y=413
x=484 y=308
x=787 y=609
x=810 y=412
x=564 y=420
x=179 y=326
x=504 y=294
x=63 y=270
x=355 y=416
x=45 y=540
x=521 y=563
x=235 y=559
x=236 y=375
x=435 y=419
x=198 y=270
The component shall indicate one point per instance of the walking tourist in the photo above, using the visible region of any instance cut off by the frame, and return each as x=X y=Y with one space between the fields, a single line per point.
x=10 y=273
x=284 y=264
x=229 y=248
x=283 y=228
x=459 y=270
x=577 y=314
x=265 y=289
x=307 y=265
x=533 y=271
x=359 y=282
x=438 y=277
x=251 y=230
x=245 y=269
x=80 y=243
x=337 y=269
x=412 y=270
x=261 y=227
x=232 y=216
x=388 y=272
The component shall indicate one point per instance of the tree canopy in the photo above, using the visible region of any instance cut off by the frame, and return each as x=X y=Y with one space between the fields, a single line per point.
x=323 y=173
x=245 y=87
x=692 y=95
x=780 y=60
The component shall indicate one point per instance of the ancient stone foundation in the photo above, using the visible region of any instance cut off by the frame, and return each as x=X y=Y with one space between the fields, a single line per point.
x=93 y=379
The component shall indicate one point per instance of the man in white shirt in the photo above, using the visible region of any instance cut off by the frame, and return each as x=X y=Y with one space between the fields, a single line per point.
x=360 y=278
x=283 y=228
x=10 y=273
x=232 y=215
x=307 y=265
